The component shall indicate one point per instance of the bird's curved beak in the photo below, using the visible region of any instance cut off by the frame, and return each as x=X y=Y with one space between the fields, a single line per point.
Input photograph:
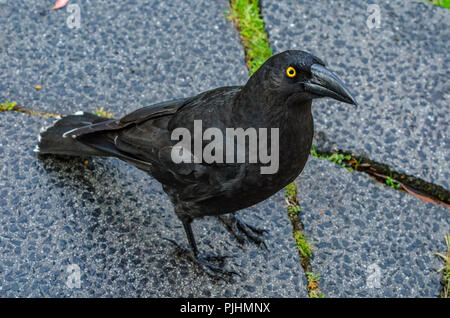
x=323 y=83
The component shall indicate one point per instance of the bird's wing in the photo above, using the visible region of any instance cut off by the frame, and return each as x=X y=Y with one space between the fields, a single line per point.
x=146 y=133
x=136 y=117
x=102 y=135
x=143 y=138
x=161 y=109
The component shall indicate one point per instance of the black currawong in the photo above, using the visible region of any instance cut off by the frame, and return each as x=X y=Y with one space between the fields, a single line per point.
x=278 y=95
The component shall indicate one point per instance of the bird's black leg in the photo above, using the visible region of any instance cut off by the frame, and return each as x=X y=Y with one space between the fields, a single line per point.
x=190 y=237
x=204 y=261
x=236 y=226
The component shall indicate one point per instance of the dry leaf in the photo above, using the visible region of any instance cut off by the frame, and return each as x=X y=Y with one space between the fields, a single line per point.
x=417 y=195
x=423 y=197
x=59 y=4
x=312 y=285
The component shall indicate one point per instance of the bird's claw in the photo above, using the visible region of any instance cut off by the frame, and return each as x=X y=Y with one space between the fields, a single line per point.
x=205 y=262
x=178 y=245
x=236 y=226
x=216 y=271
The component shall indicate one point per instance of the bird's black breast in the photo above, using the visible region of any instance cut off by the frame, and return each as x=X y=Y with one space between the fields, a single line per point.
x=234 y=187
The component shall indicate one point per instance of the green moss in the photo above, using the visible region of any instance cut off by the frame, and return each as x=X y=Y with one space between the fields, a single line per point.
x=294 y=209
x=441 y=3
x=302 y=244
x=246 y=16
x=7 y=106
x=103 y=113
x=12 y=106
x=337 y=158
x=392 y=183
x=291 y=192
x=446 y=270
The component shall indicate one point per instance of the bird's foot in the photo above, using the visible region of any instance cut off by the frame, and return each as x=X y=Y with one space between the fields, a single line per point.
x=206 y=264
x=236 y=226
x=213 y=265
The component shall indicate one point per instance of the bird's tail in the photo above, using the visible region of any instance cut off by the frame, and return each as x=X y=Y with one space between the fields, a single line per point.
x=51 y=140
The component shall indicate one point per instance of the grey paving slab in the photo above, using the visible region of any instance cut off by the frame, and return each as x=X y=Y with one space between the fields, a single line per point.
x=370 y=240
x=398 y=72
x=110 y=219
x=125 y=55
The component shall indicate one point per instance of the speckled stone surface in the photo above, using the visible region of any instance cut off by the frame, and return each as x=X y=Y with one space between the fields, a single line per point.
x=125 y=55
x=370 y=240
x=110 y=219
x=399 y=73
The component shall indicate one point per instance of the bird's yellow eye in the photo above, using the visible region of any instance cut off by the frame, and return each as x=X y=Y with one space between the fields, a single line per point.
x=291 y=72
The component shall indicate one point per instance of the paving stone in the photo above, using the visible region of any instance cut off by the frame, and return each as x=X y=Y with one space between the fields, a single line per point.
x=110 y=219
x=370 y=240
x=125 y=55
x=399 y=73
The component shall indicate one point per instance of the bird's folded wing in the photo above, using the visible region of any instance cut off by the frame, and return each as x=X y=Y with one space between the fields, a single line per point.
x=153 y=111
x=136 y=117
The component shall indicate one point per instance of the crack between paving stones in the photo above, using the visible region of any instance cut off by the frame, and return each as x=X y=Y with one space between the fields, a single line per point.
x=23 y=110
x=302 y=244
x=381 y=172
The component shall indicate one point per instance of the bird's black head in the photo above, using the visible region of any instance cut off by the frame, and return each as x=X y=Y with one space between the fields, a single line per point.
x=294 y=77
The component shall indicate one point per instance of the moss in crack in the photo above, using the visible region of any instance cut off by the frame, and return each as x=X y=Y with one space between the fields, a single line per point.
x=12 y=106
x=305 y=250
x=313 y=285
x=441 y=3
x=383 y=173
x=7 y=106
x=245 y=14
x=392 y=183
x=291 y=199
x=337 y=158
x=302 y=244
x=445 y=269
x=103 y=113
